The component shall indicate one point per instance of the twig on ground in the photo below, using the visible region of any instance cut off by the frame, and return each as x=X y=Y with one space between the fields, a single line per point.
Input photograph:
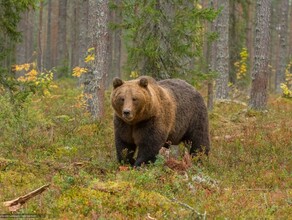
x=189 y=207
x=14 y=205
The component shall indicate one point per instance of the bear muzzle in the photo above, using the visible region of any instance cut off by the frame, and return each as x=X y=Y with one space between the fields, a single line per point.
x=127 y=115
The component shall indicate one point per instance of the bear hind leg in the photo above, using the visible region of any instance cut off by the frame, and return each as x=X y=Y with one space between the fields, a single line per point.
x=200 y=141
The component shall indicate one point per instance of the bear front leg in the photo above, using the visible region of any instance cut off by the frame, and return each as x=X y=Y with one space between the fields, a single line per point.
x=149 y=148
x=125 y=151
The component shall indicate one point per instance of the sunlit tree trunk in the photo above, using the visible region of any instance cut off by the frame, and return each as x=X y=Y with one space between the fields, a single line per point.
x=222 y=56
x=283 y=53
x=99 y=40
x=259 y=90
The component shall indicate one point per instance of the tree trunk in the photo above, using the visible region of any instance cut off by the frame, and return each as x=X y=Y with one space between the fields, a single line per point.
x=250 y=31
x=234 y=44
x=99 y=40
x=116 y=44
x=210 y=52
x=20 y=47
x=40 y=30
x=24 y=49
x=283 y=58
x=62 y=33
x=259 y=89
x=54 y=32
x=275 y=44
x=222 y=56
x=83 y=27
x=74 y=34
x=290 y=32
x=29 y=55
x=48 y=44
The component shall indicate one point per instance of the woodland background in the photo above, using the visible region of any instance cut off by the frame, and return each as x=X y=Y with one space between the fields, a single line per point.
x=57 y=61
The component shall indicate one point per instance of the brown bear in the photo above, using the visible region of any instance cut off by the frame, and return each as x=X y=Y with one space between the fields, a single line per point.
x=149 y=113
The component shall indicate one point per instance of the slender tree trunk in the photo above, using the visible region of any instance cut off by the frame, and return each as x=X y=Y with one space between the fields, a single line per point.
x=30 y=36
x=54 y=32
x=275 y=44
x=250 y=31
x=24 y=49
x=290 y=32
x=116 y=44
x=259 y=89
x=234 y=47
x=210 y=51
x=40 y=30
x=20 y=47
x=83 y=28
x=62 y=55
x=75 y=34
x=48 y=44
x=283 y=56
x=222 y=56
x=99 y=40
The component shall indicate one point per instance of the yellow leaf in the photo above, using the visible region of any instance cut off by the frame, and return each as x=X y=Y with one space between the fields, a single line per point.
x=134 y=74
x=90 y=49
x=90 y=57
x=78 y=71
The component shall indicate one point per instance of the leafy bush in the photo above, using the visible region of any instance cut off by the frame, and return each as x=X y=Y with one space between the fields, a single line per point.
x=287 y=86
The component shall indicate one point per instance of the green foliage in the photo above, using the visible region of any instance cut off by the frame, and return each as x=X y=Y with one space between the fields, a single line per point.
x=287 y=86
x=32 y=82
x=164 y=38
x=10 y=14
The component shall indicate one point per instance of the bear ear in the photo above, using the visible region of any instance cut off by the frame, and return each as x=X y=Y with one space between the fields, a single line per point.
x=143 y=82
x=117 y=82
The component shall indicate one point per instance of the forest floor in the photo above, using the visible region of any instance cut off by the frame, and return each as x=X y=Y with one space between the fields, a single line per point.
x=52 y=140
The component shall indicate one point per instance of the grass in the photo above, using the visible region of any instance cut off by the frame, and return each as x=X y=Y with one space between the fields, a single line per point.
x=53 y=140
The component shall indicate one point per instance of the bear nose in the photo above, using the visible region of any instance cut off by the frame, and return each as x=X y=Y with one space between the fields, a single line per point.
x=126 y=112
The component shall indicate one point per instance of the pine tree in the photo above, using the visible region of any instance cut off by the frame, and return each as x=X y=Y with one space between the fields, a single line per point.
x=259 y=90
x=222 y=47
x=164 y=37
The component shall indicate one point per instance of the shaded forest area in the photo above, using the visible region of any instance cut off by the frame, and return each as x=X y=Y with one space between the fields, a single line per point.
x=200 y=41
x=57 y=153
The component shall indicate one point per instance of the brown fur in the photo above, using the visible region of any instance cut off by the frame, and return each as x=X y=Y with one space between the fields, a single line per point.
x=150 y=113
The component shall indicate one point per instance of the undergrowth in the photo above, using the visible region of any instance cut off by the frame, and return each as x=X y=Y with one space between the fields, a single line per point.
x=53 y=140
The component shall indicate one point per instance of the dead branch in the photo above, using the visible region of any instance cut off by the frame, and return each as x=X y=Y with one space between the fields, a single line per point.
x=189 y=207
x=14 y=205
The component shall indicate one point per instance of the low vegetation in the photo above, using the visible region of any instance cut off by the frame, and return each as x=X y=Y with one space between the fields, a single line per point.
x=52 y=140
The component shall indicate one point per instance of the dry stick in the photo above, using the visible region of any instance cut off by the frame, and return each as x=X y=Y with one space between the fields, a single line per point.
x=256 y=189
x=189 y=207
x=16 y=203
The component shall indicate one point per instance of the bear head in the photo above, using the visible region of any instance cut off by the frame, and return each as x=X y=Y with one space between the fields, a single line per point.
x=132 y=100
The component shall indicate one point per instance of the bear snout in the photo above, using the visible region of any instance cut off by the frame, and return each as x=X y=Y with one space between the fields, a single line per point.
x=126 y=113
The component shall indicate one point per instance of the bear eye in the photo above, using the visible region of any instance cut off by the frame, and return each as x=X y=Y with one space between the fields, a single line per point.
x=121 y=99
x=134 y=99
